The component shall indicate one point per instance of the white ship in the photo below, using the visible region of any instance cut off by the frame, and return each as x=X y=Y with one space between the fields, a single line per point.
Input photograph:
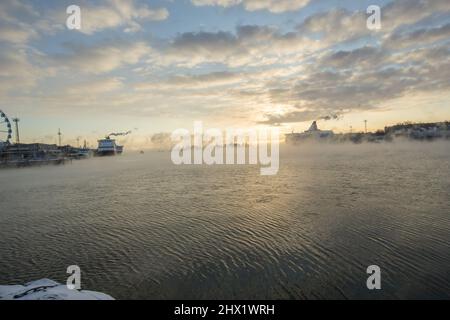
x=108 y=146
x=312 y=133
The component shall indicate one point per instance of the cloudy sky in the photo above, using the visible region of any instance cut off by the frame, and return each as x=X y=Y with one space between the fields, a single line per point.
x=154 y=66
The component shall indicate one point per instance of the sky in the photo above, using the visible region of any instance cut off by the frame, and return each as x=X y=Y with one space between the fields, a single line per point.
x=155 y=66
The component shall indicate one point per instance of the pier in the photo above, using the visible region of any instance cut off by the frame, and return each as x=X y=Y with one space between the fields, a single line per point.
x=35 y=154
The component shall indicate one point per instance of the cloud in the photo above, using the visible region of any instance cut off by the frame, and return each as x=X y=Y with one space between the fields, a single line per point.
x=291 y=117
x=15 y=26
x=193 y=82
x=249 y=45
x=16 y=72
x=253 y=45
x=213 y=78
x=207 y=45
x=366 y=77
x=336 y=25
x=366 y=56
x=421 y=37
x=406 y=12
x=274 y=6
x=101 y=57
x=16 y=33
x=364 y=88
x=95 y=87
x=340 y=25
x=21 y=21
x=117 y=13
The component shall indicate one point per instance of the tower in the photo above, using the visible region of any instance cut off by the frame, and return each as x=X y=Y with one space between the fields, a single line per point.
x=59 y=137
x=365 y=125
x=16 y=122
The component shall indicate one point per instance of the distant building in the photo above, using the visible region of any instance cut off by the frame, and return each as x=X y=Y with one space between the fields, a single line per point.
x=312 y=133
x=412 y=131
x=419 y=131
x=32 y=151
x=75 y=153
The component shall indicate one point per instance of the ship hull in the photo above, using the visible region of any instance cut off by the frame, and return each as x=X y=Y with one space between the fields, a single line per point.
x=108 y=147
x=105 y=153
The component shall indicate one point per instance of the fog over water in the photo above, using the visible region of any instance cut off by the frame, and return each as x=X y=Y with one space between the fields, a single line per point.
x=140 y=227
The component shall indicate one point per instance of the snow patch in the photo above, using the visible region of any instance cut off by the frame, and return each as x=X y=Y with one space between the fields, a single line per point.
x=46 y=289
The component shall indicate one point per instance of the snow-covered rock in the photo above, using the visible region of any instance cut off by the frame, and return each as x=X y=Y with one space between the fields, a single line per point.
x=46 y=289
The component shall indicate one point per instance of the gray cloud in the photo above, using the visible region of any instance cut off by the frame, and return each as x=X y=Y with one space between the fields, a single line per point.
x=300 y=116
x=363 y=88
x=111 y=14
x=100 y=57
x=199 y=81
x=421 y=37
x=249 y=45
x=336 y=25
x=360 y=57
x=274 y=6
x=406 y=12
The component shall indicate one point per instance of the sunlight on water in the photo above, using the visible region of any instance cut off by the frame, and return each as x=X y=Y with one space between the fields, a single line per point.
x=141 y=227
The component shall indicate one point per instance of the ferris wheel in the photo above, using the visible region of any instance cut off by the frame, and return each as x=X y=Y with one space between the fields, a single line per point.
x=5 y=129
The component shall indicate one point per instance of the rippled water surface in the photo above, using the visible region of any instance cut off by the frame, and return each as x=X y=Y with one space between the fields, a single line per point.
x=140 y=227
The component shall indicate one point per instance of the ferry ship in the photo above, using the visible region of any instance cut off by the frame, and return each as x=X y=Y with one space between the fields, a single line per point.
x=312 y=133
x=108 y=147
